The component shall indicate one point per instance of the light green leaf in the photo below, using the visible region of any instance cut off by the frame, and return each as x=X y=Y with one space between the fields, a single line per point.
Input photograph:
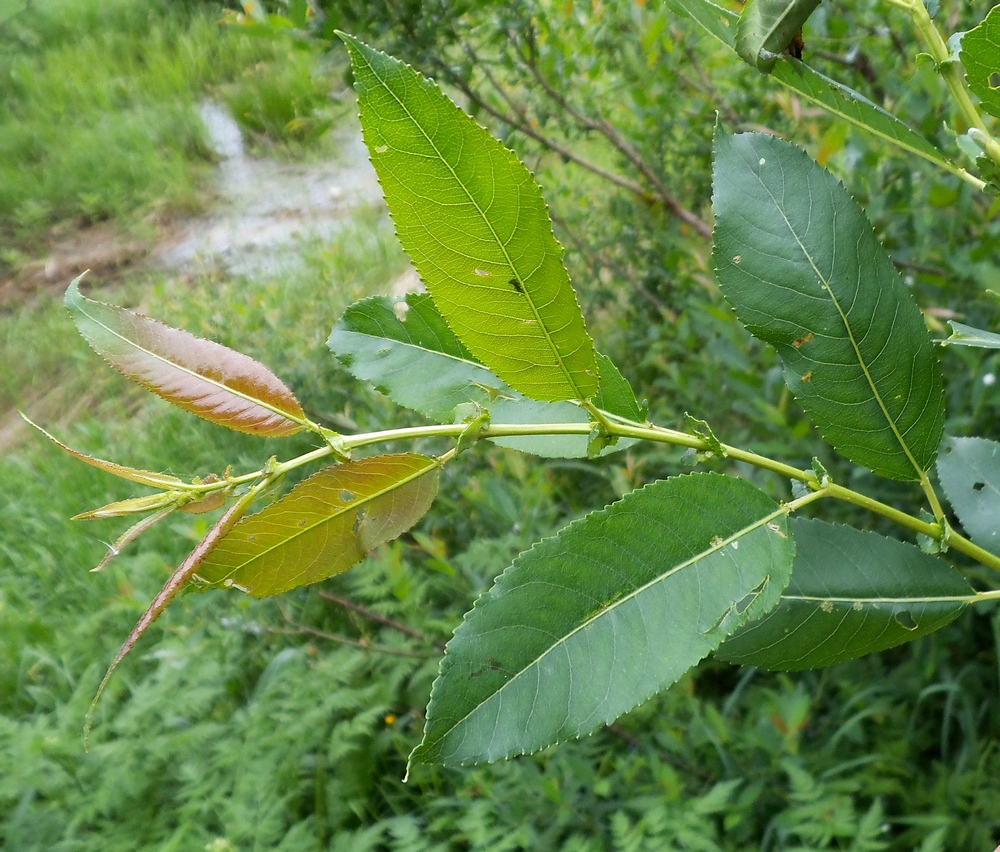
x=481 y=240
x=617 y=606
x=799 y=262
x=717 y=22
x=852 y=593
x=767 y=27
x=404 y=348
x=324 y=525
x=969 y=470
x=966 y=335
x=616 y=395
x=981 y=58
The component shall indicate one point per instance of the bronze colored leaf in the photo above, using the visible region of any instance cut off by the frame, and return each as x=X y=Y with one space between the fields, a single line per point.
x=325 y=524
x=201 y=376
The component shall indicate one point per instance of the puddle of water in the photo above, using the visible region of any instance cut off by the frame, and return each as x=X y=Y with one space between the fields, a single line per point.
x=266 y=206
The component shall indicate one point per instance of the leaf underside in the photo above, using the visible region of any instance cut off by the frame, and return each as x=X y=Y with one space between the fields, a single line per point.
x=842 y=101
x=766 y=27
x=969 y=470
x=324 y=525
x=482 y=240
x=617 y=606
x=966 y=335
x=799 y=262
x=981 y=58
x=852 y=593
x=143 y=477
x=206 y=378
x=404 y=348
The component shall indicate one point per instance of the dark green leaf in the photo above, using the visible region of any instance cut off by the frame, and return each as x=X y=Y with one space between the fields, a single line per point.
x=799 y=262
x=852 y=593
x=404 y=348
x=856 y=109
x=838 y=99
x=617 y=606
x=324 y=525
x=482 y=240
x=969 y=470
x=767 y=27
x=981 y=58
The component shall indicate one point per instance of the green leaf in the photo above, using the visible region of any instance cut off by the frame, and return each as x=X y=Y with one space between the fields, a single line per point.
x=981 y=58
x=324 y=525
x=617 y=606
x=852 y=593
x=799 y=262
x=856 y=109
x=203 y=377
x=840 y=100
x=616 y=395
x=404 y=348
x=717 y=22
x=966 y=335
x=969 y=470
x=473 y=220
x=767 y=27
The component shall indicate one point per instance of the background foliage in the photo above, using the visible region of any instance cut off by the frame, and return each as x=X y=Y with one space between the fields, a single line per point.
x=285 y=724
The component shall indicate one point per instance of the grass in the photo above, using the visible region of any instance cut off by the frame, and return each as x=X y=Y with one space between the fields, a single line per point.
x=100 y=114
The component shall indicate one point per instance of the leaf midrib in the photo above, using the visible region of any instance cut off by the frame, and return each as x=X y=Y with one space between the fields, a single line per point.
x=879 y=600
x=601 y=613
x=531 y=302
x=353 y=505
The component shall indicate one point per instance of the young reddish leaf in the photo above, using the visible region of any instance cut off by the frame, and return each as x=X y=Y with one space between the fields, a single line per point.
x=201 y=376
x=169 y=591
x=143 y=477
x=325 y=524
x=130 y=535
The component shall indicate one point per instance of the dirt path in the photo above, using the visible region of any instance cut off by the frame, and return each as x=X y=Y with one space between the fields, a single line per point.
x=263 y=208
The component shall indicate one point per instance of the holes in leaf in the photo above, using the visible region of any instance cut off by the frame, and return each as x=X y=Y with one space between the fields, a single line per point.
x=905 y=620
x=978 y=486
x=360 y=519
x=401 y=309
x=346 y=496
x=995 y=80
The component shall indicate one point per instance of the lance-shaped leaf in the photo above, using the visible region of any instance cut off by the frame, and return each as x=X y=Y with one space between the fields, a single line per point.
x=617 y=606
x=981 y=58
x=200 y=376
x=767 y=27
x=854 y=108
x=966 y=335
x=481 y=240
x=833 y=96
x=969 y=470
x=405 y=349
x=717 y=22
x=852 y=593
x=144 y=477
x=799 y=262
x=325 y=524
